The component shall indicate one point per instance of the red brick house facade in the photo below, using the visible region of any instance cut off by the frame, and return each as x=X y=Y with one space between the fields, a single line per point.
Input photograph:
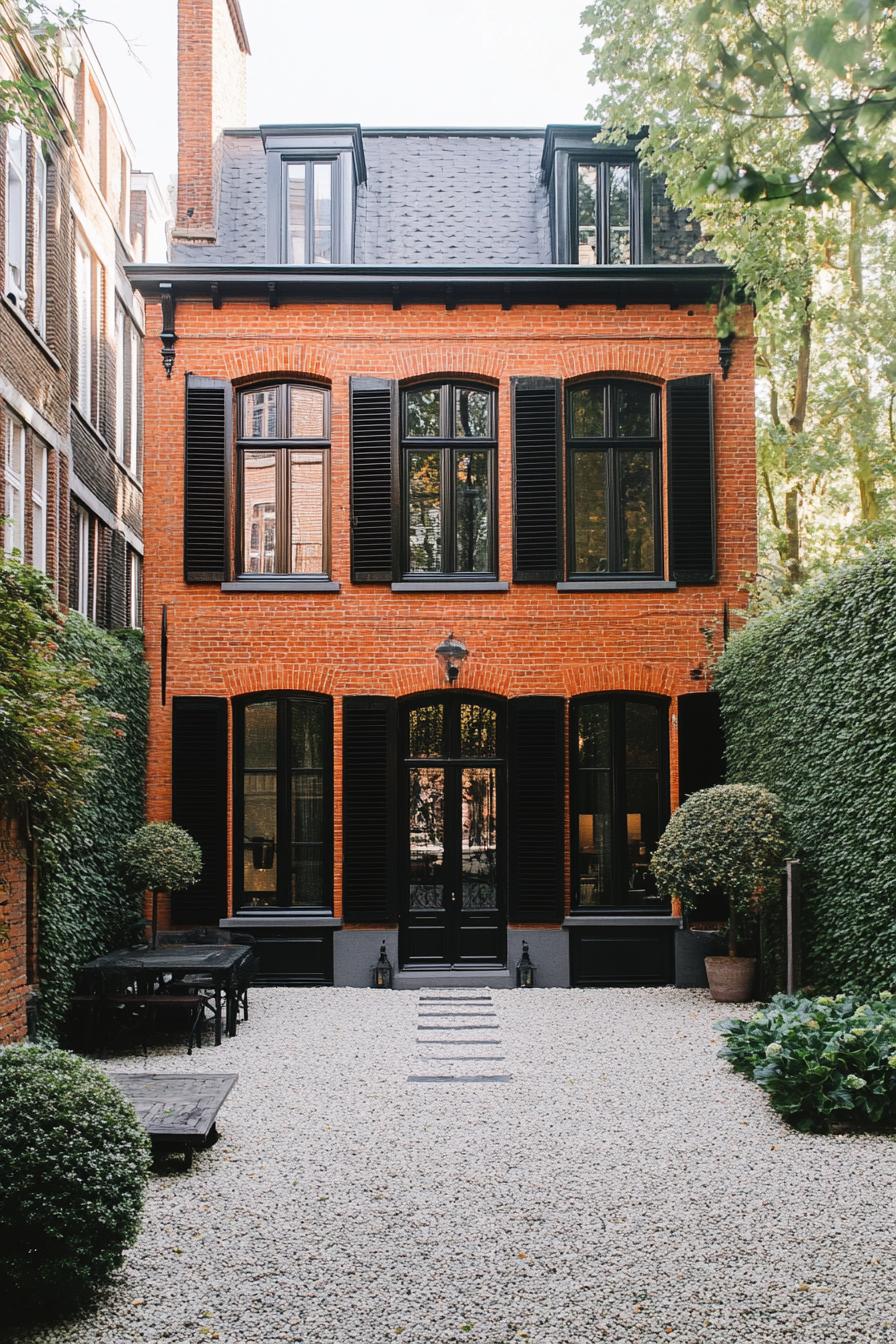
x=394 y=414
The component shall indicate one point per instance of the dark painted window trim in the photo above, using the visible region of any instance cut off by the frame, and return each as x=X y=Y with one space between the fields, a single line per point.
x=602 y=161
x=617 y=586
x=447 y=585
x=320 y=149
x=566 y=146
x=579 y=920
x=252 y=584
x=312 y=919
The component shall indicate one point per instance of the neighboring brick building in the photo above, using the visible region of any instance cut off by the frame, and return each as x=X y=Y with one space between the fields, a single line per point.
x=433 y=382
x=71 y=339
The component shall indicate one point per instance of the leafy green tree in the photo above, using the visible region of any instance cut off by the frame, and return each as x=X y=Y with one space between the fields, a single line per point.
x=28 y=94
x=821 y=272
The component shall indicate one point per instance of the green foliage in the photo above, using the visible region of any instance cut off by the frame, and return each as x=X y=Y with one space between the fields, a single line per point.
x=74 y=1161
x=28 y=96
x=50 y=732
x=732 y=839
x=162 y=857
x=822 y=1061
x=86 y=904
x=808 y=695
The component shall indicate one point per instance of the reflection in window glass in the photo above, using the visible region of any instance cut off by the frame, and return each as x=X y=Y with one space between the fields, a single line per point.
x=586 y=204
x=587 y=417
x=424 y=512
x=590 y=513
x=634 y=410
x=306 y=513
x=307 y=405
x=426 y=785
x=478 y=730
x=426 y=731
x=307 y=875
x=422 y=413
x=323 y=212
x=471 y=413
x=260 y=837
x=260 y=414
x=471 y=506
x=306 y=734
x=637 y=509
x=595 y=871
x=295 y=214
x=261 y=735
x=259 y=513
x=641 y=735
x=479 y=838
x=619 y=192
x=594 y=734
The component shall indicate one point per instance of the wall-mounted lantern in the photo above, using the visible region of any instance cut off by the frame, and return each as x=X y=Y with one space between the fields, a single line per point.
x=381 y=973
x=525 y=971
x=451 y=653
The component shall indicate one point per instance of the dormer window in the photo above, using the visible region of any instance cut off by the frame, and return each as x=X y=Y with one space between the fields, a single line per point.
x=313 y=176
x=605 y=217
x=599 y=199
x=308 y=209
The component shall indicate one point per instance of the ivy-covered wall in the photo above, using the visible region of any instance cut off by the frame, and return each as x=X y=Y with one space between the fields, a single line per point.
x=808 y=696
x=84 y=905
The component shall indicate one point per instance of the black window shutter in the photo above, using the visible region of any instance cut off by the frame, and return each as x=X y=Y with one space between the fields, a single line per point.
x=537 y=480
x=369 y=765
x=199 y=801
x=692 y=504
x=206 y=479
x=701 y=760
x=374 y=480
x=536 y=809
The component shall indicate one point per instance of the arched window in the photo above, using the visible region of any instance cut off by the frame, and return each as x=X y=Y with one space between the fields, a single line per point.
x=620 y=798
x=284 y=475
x=613 y=473
x=283 y=802
x=448 y=480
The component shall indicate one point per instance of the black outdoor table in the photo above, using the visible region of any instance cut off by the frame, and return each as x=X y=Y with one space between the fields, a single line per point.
x=177 y=1109
x=219 y=961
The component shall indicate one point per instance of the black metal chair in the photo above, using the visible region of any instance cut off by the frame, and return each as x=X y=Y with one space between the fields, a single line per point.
x=205 y=985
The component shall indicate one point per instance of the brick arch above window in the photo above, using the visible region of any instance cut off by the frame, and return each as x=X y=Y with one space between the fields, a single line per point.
x=634 y=678
x=274 y=361
x=456 y=361
x=625 y=360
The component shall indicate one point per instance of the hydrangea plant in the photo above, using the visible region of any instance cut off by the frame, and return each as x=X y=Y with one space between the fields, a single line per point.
x=731 y=839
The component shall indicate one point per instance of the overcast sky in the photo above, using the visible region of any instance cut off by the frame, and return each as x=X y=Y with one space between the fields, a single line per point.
x=378 y=62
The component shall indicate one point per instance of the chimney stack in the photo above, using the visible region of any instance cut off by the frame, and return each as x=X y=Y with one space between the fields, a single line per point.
x=211 y=94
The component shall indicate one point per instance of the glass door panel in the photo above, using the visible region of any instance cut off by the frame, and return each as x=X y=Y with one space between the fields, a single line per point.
x=427 y=838
x=479 y=838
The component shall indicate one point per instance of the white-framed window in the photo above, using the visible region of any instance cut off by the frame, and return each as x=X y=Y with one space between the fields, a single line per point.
x=84 y=311
x=121 y=349
x=135 y=590
x=39 y=462
x=40 y=239
x=14 y=503
x=16 y=195
x=135 y=366
x=81 y=544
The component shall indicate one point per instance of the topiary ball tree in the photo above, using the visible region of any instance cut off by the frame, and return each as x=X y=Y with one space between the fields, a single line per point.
x=161 y=857
x=74 y=1161
x=731 y=838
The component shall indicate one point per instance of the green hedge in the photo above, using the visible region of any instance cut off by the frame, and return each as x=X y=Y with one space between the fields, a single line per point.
x=85 y=906
x=808 y=695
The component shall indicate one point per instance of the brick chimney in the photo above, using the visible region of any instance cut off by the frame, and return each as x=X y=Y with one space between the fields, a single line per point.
x=211 y=94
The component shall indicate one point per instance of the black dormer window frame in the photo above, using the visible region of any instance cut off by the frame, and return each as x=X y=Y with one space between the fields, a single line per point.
x=566 y=147
x=311 y=161
x=339 y=146
x=603 y=165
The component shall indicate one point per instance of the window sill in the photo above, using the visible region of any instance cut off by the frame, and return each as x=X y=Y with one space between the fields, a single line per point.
x=276 y=920
x=575 y=921
x=31 y=330
x=281 y=586
x=617 y=586
x=451 y=586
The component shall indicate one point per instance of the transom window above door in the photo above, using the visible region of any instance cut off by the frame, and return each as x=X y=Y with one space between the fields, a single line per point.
x=284 y=474
x=613 y=472
x=448 y=480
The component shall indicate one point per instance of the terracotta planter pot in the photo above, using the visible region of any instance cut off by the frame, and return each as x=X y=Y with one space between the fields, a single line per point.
x=731 y=978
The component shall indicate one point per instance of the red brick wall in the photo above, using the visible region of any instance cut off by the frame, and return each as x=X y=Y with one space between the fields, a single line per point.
x=17 y=940
x=362 y=640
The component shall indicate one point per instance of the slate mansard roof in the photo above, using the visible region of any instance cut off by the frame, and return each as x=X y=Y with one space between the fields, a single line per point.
x=431 y=198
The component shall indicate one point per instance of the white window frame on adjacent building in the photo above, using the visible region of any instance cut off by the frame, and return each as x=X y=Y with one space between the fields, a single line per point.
x=135 y=585
x=14 y=502
x=16 y=206
x=82 y=542
x=121 y=428
x=134 y=426
x=84 y=310
x=39 y=479
x=40 y=239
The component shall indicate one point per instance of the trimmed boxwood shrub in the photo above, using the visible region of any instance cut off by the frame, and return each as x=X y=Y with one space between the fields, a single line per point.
x=74 y=1161
x=162 y=857
x=824 y=1061
x=808 y=694
x=730 y=839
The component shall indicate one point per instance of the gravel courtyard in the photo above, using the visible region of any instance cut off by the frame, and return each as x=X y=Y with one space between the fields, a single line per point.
x=622 y=1185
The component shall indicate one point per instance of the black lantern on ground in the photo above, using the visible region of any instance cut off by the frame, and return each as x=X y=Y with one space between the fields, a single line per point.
x=451 y=653
x=381 y=973
x=525 y=971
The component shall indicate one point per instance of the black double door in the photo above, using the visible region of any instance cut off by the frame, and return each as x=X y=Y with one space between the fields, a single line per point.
x=452 y=793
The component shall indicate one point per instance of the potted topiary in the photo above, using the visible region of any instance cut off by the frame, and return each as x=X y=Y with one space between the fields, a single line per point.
x=161 y=857
x=730 y=839
x=74 y=1162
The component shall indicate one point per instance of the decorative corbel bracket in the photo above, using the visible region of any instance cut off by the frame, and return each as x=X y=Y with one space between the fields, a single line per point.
x=169 y=335
x=726 y=355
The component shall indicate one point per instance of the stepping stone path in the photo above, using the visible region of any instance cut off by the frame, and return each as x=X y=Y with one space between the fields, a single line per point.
x=458 y=1038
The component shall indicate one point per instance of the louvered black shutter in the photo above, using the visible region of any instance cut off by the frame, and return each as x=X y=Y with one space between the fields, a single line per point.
x=199 y=801
x=536 y=809
x=206 y=479
x=369 y=764
x=692 y=503
x=700 y=742
x=537 y=480
x=374 y=479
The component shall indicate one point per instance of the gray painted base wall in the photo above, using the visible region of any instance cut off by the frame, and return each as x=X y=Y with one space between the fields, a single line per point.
x=356 y=950
x=549 y=950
